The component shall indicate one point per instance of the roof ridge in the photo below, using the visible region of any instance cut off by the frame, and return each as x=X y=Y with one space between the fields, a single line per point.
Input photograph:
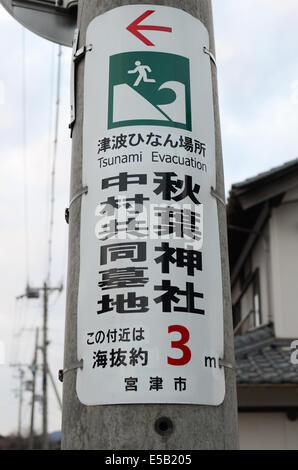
x=265 y=173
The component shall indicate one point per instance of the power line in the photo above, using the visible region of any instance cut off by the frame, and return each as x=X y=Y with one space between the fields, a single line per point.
x=13 y=331
x=49 y=153
x=19 y=312
x=24 y=144
x=16 y=340
x=53 y=174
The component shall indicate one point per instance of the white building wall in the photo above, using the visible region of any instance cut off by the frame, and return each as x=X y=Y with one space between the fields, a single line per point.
x=284 y=263
x=267 y=431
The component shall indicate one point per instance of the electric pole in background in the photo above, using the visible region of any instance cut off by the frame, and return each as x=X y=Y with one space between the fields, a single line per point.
x=19 y=393
x=44 y=369
x=34 y=293
x=134 y=426
x=33 y=370
x=21 y=389
x=46 y=291
x=55 y=20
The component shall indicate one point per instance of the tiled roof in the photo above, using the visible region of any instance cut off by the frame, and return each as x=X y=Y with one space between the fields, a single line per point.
x=265 y=174
x=262 y=358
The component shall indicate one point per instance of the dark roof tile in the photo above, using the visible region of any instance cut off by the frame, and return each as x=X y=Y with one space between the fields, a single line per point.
x=263 y=358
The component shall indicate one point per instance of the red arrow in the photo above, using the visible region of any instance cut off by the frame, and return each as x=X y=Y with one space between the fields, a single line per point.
x=135 y=27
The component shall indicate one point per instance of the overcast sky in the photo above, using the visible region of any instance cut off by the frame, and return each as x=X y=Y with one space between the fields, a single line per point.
x=256 y=44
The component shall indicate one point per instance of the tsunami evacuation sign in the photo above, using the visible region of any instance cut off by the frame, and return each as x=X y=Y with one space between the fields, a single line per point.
x=150 y=308
x=136 y=98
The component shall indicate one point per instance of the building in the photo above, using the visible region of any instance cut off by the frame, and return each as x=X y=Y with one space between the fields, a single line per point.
x=263 y=244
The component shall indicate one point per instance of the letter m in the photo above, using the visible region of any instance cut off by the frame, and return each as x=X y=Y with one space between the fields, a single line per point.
x=210 y=362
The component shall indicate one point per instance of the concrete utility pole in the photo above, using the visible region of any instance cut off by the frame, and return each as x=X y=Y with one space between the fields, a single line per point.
x=46 y=291
x=44 y=369
x=21 y=389
x=33 y=293
x=19 y=393
x=134 y=426
x=33 y=370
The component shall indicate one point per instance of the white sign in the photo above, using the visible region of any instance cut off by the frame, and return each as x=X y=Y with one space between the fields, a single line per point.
x=150 y=310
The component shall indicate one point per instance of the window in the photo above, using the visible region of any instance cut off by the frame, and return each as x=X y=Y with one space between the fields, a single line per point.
x=246 y=311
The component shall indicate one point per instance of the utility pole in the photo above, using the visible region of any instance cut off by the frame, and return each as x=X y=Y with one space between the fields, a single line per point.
x=33 y=370
x=44 y=369
x=134 y=426
x=46 y=290
x=34 y=293
x=21 y=388
x=19 y=393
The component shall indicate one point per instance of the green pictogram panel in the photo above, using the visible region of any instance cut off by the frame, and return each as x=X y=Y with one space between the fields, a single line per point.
x=149 y=88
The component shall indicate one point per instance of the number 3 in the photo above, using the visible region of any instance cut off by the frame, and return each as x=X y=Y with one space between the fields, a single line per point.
x=180 y=344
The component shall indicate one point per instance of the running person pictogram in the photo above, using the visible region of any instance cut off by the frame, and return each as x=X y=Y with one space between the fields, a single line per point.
x=149 y=88
x=142 y=70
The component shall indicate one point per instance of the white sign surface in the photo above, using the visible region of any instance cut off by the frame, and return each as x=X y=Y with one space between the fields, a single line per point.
x=150 y=310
